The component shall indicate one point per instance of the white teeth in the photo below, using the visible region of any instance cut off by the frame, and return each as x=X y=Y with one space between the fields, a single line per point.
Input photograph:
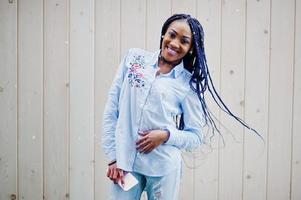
x=171 y=51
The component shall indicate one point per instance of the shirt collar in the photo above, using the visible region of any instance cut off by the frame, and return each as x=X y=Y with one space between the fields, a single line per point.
x=175 y=72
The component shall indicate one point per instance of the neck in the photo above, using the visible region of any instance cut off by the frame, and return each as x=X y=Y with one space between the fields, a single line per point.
x=163 y=61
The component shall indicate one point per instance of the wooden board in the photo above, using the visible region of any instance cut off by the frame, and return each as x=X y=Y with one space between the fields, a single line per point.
x=232 y=92
x=256 y=99
x=8 y=99
x=207 y=158
x=82 y=99
x=107 y=58
x=296 y=137
x=30 y=100
x=56 y=91
x=132 y=24
x=280 y=100
x=56 y=70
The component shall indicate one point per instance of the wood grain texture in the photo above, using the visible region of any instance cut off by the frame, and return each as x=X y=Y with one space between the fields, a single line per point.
x=8 y=99
x=133 y=25
x=107 y=58
x=256 y=98
x=58 y=60
x=56 y=90
x=232 y=91
x=280 y=100
x=207 y=157
x=296 y=137
x=82 y=137
x=30 y=99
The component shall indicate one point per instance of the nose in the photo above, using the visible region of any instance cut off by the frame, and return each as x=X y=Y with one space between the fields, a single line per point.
x=174 y=44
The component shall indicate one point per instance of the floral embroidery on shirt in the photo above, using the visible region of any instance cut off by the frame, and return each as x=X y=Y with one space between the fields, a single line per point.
x=135 y=76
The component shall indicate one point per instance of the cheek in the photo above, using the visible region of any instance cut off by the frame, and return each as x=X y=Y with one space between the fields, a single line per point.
x=185 y=50
x=165 y=41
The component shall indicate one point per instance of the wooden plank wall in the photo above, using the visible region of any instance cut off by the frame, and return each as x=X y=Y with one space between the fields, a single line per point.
x=8 y=100
x=56 y=99
x=58 y=59
x=30 y=97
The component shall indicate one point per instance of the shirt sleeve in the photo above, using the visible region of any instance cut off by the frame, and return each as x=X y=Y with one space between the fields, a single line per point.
x=111 y=112
x=191 y=136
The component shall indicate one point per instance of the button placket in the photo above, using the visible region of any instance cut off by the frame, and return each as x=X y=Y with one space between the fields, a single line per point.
x=146 y=94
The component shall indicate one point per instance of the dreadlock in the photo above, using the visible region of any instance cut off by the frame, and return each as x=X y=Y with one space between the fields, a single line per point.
x=201 y=80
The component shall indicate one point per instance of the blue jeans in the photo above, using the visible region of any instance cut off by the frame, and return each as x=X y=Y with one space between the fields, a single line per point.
x=163 y=187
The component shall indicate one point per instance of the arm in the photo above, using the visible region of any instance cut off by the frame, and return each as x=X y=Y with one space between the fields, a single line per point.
x=191 y=136
x=188 y=139
x=111 y=112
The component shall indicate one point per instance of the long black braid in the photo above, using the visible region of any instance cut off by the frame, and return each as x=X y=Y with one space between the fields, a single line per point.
x=201 y=80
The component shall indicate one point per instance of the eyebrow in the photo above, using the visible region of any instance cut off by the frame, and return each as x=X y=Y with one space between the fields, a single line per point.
x=177 y=33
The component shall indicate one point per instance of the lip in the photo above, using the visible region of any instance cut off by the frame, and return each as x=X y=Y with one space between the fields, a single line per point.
x=171 y=52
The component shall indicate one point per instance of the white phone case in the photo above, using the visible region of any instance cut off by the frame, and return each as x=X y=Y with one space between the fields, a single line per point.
x=129 y=182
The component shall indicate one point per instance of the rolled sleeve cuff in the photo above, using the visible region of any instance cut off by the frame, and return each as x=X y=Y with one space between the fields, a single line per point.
x=187 y=140
x=172 y=138
x=111 y=156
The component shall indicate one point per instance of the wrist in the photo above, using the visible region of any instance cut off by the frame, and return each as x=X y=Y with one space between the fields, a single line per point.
x=112 y=162
x=167 y=133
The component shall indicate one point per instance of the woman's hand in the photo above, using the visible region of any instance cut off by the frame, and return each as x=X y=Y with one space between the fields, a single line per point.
x=115 y=174
x=151 y=139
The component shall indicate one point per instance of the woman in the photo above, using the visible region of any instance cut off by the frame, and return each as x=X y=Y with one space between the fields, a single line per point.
x=149 y=92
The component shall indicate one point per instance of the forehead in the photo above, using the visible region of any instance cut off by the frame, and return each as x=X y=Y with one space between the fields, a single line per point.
x=181 y=27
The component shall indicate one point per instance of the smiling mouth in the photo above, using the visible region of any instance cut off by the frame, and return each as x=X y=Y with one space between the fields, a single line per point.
x=171 y=51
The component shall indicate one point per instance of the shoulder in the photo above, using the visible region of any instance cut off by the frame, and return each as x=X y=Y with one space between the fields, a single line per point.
x=140 y=55
x=139 y=51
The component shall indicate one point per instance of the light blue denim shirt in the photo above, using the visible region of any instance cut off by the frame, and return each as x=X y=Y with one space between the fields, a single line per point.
x=139 y=100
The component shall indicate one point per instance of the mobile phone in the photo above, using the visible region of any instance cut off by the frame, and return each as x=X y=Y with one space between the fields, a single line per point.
x=129 y=182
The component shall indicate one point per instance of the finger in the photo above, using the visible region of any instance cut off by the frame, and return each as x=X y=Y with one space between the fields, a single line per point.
x=142 y=145
x=121 y=175
x=146 y=148
x=115 y=174
x=142 y=140
x=108 y=173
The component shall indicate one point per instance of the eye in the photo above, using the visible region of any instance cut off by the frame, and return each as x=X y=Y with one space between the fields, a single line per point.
x=172 y=35
x=185 y=41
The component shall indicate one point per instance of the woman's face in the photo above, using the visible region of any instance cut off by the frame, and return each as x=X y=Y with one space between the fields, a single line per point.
x=177 y=41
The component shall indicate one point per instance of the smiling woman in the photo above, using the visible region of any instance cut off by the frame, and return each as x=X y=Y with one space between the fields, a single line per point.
x=177 y=41
x=150 y=91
